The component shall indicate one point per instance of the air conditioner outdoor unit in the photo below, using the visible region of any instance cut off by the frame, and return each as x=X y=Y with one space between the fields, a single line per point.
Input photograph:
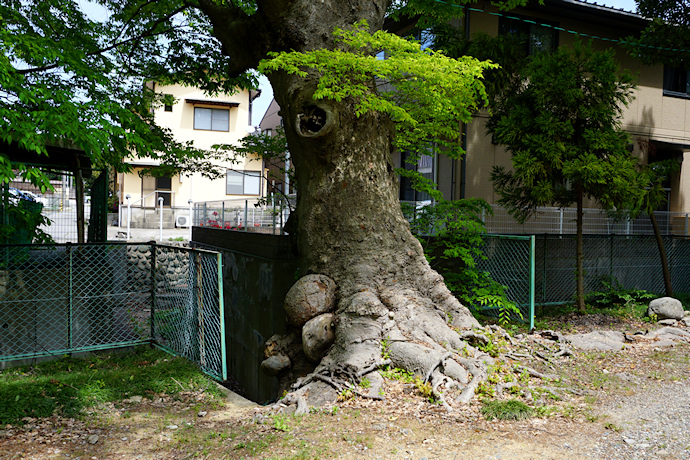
x=182 y=221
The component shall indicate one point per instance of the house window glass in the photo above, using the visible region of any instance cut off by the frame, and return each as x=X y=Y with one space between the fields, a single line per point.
x=243 y=183
x=676 y=81
x=163 y=184
x=167 y=105
x=425 y=166
x=537 y=37
x=211 y=119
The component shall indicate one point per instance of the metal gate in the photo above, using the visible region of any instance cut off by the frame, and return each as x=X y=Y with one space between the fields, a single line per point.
x=187 y=310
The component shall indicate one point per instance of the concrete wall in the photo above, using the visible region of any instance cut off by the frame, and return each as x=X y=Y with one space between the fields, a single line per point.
x=258 y=270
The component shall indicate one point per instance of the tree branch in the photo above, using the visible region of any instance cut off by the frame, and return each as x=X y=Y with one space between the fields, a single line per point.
x=135 y=39
x=244 y=37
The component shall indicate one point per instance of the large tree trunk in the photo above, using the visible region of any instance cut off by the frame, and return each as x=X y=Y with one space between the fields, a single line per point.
x=350 y=225
x=351 y=228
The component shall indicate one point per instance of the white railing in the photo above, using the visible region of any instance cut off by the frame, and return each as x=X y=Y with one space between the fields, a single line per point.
x=596 y=222
x=128 y=197
x=258 y=215
x=562 y=221
x=249 y=215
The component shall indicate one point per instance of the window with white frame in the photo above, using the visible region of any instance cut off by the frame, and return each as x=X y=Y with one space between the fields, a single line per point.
x=243 y=182
x=211 y=119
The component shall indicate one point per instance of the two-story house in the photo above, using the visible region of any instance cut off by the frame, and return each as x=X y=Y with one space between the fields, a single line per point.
x=658 y=119
x=206 y=121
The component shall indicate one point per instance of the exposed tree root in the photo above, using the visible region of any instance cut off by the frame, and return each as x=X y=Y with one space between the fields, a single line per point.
x=402 y=329
x=536 y=374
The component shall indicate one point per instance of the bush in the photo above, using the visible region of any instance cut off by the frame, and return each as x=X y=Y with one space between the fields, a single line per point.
x=613 y=295
x=451 y=235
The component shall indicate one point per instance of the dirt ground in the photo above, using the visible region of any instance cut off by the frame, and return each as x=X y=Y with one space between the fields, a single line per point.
x=590 y=412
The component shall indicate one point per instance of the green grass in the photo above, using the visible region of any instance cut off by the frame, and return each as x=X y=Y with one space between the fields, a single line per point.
x=510 y=409
x=69 y=386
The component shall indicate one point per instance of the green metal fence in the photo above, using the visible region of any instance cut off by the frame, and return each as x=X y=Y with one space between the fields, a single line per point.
x=187 y=310
x=510 y=260
x=541 y=269
x=58 y=299
x=633 y=261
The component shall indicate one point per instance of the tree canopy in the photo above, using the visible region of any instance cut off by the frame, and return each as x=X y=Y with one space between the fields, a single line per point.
x=667 y=38
x=69 y=76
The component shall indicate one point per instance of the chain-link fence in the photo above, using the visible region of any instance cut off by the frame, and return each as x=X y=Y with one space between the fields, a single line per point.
x=633 y=261
x=547 y=262
x=57 y=299
x=510 y=261
x=188 y=313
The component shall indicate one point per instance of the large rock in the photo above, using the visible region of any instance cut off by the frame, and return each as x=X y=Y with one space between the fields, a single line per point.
x=670 y=333
x=276 y=364
x=317 y=336
x=666 y=308
x=309 y=297
x=597 y=340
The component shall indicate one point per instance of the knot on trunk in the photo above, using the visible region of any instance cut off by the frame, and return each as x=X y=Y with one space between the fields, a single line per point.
x=314 y=121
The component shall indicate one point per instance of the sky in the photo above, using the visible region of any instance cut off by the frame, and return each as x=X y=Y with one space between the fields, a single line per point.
x=628 y=5
x=262 y=102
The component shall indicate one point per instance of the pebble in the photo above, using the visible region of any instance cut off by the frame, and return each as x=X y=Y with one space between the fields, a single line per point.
x=172 y=427
x=93 y=439
x=202 y=413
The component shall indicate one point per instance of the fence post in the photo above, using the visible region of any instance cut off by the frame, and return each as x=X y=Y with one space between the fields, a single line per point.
x=611 y=257
x=160 y=218
x=532 y=277
x=222 y=214
x=200 y=311
x=221 y=303
x=191 y=218
x=282 y=202
x=545 y=248
x=273 y=215
x=129 y=213
x=246 y=205
x=152 y=250
x=560 y=222
x=70 y=295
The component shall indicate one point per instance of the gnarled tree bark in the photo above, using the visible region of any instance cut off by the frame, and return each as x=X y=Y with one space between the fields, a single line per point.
x=350 y=225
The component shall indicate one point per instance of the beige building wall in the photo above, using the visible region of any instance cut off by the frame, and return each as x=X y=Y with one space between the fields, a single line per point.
x=180 y=120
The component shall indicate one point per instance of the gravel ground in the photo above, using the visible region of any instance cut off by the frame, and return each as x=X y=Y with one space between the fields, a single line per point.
x=654 y=423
